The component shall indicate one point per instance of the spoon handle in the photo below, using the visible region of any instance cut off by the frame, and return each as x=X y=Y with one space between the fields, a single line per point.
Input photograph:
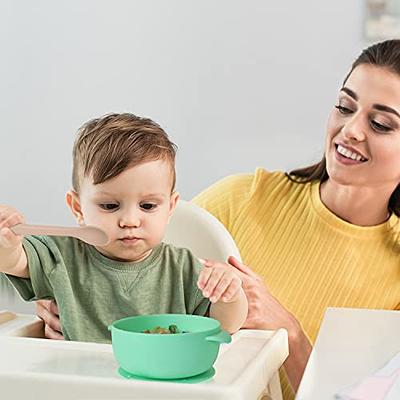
x=26 y=229
x=89 y=234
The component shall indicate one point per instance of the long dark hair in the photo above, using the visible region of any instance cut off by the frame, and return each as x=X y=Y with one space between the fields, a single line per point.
x=384 y=54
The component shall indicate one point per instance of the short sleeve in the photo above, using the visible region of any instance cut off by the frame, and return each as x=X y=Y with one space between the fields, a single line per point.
x=41 y=261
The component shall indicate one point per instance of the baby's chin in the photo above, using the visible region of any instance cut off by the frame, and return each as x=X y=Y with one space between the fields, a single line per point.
x=125 y=255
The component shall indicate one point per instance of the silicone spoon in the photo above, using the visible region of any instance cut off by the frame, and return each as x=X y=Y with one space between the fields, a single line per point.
x=89 y=234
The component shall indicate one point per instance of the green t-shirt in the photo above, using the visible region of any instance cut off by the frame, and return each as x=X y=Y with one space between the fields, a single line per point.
x=92 y=291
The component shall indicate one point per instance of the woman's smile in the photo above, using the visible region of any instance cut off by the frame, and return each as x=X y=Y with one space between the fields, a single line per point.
x=348 y=156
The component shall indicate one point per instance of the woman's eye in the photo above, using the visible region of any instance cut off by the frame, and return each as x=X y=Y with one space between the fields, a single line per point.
x=344 y=110
x=109 y=206
x=379 y=127
x=148 y=206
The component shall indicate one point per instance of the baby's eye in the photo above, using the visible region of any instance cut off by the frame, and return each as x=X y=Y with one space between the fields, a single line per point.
x=343 y=110
x=108 y=206
x=148 y=206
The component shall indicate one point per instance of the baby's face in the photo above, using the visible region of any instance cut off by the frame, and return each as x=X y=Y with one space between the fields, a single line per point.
x=132 y=208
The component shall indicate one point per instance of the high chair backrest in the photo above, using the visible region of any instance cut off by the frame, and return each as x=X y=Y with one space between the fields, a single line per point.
x=199 y=231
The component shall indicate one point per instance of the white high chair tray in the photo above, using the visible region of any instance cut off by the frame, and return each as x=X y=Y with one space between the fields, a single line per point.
x=49 y=369
x=20 y=325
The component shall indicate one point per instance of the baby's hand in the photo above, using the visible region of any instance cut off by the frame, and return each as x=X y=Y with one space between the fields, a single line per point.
x=219 y=282
x=8 y=218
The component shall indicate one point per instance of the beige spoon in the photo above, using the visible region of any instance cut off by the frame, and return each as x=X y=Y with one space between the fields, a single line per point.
x=89 y=234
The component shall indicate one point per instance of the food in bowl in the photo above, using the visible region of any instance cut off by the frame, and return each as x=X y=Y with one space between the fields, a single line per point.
x=172 y=329
x=166 y=356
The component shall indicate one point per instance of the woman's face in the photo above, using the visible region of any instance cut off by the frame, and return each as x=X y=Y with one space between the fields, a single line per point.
x=363 y=137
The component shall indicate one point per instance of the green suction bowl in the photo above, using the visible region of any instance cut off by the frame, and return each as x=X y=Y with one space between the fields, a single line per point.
x=173 y=356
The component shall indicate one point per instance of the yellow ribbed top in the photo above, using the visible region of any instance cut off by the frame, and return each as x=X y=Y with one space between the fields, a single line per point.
x=310 y=258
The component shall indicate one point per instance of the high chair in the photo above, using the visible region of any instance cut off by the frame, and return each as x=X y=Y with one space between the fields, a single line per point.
x=199 y=231
x=247 y=368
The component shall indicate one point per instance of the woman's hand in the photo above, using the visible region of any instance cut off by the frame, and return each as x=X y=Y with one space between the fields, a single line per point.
x=266 y=312
x=47 y=310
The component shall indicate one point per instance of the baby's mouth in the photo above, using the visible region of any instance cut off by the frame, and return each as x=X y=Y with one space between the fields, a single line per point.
x=129 y=239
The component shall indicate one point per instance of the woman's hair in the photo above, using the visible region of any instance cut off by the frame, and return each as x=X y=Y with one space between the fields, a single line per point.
x=386 y=55
x=107 y=146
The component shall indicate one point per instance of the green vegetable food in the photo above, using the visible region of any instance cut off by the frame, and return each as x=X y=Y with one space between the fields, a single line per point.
x=172 y=329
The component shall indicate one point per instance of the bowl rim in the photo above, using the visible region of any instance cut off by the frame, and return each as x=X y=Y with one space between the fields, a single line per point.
x=216 y=329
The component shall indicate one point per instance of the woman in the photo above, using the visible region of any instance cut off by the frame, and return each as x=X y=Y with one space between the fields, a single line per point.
x=327 y=235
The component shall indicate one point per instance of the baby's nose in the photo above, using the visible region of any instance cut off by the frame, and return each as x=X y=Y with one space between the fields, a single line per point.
x=130 y=220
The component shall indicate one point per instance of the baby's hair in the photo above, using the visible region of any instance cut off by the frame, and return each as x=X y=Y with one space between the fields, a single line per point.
x=106 y=146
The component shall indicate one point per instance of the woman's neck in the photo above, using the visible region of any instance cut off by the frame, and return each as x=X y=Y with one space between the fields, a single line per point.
x=363 y=206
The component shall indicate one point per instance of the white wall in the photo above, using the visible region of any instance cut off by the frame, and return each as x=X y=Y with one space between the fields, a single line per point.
x=236 y=84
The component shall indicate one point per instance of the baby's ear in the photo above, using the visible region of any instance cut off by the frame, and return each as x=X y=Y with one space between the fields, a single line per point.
x=173 y=202
x=74 y=205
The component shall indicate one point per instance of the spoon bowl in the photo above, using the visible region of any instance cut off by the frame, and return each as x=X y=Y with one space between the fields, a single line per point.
x=88 y=233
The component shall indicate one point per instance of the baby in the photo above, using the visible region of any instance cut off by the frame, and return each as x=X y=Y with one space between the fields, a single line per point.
x=122 y=182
